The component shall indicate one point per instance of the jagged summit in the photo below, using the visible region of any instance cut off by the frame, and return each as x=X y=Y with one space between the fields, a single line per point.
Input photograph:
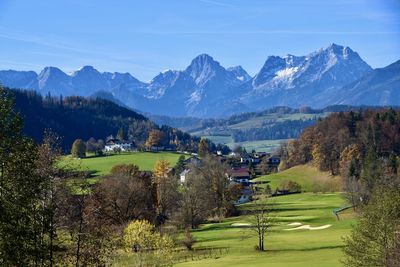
x=239 y=73
x=51 y=72
x=207 y=89
x=203 y=68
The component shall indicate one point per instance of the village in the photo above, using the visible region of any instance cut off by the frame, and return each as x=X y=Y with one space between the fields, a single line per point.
x=242 y=166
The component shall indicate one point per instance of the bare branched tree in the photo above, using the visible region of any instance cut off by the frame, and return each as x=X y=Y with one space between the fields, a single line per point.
x=261 y=221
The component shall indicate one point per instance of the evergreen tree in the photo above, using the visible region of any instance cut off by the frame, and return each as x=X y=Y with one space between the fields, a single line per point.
x=180 y=165
x=20 y=226
x=371 y=174
x=372 y=243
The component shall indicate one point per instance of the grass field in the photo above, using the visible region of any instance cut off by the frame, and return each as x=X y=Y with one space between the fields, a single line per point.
x=103 y=165
x=260 y=145
x=284 y=248
x=258 y=122
x=306 y=175
x=219 y=139
x=297 y=248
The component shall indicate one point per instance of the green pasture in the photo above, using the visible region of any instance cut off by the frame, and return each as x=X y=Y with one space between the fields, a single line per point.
x=260 y=145
x=103 y=165
x=260 y=121
x=309 y=177
x=219 y=139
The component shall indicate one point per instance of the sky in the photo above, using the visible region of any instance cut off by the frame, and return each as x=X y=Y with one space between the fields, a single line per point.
x=147 y=37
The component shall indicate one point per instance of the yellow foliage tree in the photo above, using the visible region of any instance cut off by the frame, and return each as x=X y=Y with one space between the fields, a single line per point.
x=316 y=155
x=155 y=249
x=203 y=148
x=351 y=152
x=154 y=139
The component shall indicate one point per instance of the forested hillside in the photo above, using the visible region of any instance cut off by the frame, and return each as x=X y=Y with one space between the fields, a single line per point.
x=348 y=136
x=364 y=148
x=271 y=124
x=78 y=117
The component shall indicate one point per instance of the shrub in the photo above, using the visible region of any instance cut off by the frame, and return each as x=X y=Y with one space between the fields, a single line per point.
x=78 y=149
x=290 y=186
x=188 y=240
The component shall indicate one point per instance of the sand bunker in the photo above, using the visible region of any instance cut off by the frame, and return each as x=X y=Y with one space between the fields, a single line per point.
x=240 y=224
x=308 y=227
x=294 y=224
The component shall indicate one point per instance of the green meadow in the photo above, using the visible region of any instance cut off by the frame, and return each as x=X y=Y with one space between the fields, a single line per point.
x=299 y=247
x=309 y=177
x=259 y=145
x=260 y=121
x=103 y=165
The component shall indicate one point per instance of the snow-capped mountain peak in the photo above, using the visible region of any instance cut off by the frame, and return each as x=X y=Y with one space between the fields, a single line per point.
x=203 y=68
x=205 y=88
x=239 y=73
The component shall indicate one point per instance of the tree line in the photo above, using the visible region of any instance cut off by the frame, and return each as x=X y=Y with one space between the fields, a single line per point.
x=86 y=118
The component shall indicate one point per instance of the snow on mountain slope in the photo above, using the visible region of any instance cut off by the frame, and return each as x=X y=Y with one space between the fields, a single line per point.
x=207 y=89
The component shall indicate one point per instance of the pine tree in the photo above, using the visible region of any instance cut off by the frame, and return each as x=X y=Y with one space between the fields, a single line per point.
x=180 y=165
x=371 y=174
x=372 y=241
x=20 y=227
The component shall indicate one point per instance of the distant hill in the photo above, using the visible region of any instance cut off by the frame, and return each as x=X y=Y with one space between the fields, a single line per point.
x=79 y=117
x=205 y=89
x=380 y=87
x=271 y=124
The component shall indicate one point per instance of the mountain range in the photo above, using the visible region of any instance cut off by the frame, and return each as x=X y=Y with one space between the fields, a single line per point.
x=329 y=76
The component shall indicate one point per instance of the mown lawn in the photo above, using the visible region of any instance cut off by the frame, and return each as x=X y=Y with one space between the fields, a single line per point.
x=103 y=165
x=299 y=248
x=307 y=176
x=283 y=248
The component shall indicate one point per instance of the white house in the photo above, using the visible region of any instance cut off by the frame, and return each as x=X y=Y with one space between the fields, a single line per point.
x=114 y=145
x=183 y=175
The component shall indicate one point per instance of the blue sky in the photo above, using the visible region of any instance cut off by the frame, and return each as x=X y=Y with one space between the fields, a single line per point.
x=146 y=37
